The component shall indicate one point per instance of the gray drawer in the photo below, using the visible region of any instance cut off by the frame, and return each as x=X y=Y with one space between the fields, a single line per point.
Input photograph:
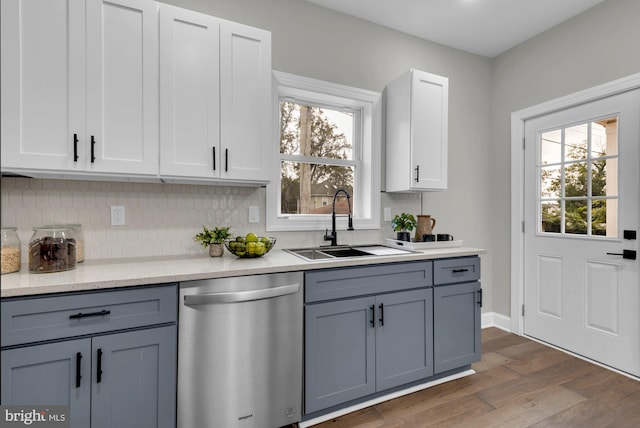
x=450 y=271
x=329 y=284
x=45 y=318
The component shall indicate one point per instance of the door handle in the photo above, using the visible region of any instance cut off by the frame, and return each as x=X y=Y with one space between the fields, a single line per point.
x=214 y=158
x=93 y=149
x=240 y=296
x=78 y=369
x=480 y=297
x=373 y=316
x=75 y=147
x=417 y=169
x=99 y=369
x=626 y=254
x=381 y=314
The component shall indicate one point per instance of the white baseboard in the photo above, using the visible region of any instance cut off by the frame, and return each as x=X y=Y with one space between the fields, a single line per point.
x=494 y=319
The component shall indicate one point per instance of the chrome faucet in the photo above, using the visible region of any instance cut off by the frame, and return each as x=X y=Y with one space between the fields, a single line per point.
x=334 y=234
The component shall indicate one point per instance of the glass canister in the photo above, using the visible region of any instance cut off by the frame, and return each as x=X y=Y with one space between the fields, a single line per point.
x=52 y=249
x=79 y=235
x=11 y=250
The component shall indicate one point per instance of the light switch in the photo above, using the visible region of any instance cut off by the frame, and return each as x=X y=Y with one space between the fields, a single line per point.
x=254 y=214
x=387 y=213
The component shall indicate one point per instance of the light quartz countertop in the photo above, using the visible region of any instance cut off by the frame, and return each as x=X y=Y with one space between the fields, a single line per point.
x=115 y=273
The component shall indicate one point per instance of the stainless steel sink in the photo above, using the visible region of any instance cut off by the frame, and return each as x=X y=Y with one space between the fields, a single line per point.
x=331 y=252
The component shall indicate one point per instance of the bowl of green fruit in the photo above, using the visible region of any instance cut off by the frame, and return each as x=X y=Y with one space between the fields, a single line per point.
x=250 y=246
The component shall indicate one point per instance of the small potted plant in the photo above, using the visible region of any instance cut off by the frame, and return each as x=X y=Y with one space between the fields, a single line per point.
x=214 y=239
x=403 y=224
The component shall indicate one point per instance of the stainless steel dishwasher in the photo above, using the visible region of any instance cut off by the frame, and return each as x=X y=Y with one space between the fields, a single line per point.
x=240 y=352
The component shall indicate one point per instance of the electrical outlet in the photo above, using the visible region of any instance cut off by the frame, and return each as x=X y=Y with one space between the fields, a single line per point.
x=254 y=214
x=387 y=214
x=117 y=215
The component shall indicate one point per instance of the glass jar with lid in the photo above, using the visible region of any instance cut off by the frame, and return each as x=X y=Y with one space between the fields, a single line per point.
x=52 y=249
x=11 y=250
x=79 y=235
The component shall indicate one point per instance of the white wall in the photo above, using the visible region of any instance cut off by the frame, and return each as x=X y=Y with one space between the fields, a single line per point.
x=600 y=45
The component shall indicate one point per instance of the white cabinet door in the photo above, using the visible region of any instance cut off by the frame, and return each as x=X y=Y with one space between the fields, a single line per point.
x=245 y=89
x=122 y=86
x=189 y=93
x=43 y=83
x=417 y=130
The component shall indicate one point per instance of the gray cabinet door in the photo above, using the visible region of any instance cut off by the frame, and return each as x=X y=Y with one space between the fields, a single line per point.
x=55 y=374
x=404 y=337
x=134 y=379
x=456 y=319
x=339 y=352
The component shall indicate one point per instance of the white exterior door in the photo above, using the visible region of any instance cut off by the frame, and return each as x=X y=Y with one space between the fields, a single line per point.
x=122 y=86
x=581 y=190
x=43 y=84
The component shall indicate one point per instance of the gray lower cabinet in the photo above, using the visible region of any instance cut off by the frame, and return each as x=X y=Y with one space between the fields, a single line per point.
x=123 y=378
x=457 y=299
x=357 y=346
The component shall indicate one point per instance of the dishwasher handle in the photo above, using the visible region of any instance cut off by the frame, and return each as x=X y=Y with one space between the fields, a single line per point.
x=240 y=296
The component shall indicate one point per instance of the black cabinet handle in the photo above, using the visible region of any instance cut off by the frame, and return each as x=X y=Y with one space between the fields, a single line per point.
x=417 y=173
x=78 y=369
x=93 y=149
x=373 y=316
x=460 y=270
x=90 y=314
x=226 y=160
x=214 y=157
x=99 y=369
x=381 y=313
x=75 y=147
x=626 y=254
x=480 y=297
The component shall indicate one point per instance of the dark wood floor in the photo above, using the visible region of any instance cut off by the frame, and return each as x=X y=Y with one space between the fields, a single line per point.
x=519 y=383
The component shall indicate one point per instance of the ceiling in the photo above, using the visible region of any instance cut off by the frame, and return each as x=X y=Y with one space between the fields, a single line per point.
x=484 y=27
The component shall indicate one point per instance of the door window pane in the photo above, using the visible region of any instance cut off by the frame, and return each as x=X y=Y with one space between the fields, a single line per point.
x=551 y=147
x=551 y=216
x=575 y=217
x=578 y=172
x=576 y=142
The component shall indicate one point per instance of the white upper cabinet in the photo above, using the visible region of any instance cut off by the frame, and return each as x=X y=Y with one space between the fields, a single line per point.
x=79 y=87
x=417 y=125
x=245 y=92
x=122 y=86
x=215 y=86
x=42 y=83
x=189 y=94
x=133 y=89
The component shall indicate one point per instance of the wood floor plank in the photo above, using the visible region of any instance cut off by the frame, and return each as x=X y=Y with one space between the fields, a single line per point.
x=519 y=383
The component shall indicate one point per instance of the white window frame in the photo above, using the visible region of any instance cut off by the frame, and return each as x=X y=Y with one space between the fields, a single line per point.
x=367 y=105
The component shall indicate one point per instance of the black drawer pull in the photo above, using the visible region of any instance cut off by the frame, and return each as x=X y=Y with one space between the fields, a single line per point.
x=90 y=314
x=417 y=169
x=78 y=370
x=480 y=297
x=373 y=316
x=214 y=157
x=226 y=160
x=99 y=369
x=460 y=270
x=381 y=314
